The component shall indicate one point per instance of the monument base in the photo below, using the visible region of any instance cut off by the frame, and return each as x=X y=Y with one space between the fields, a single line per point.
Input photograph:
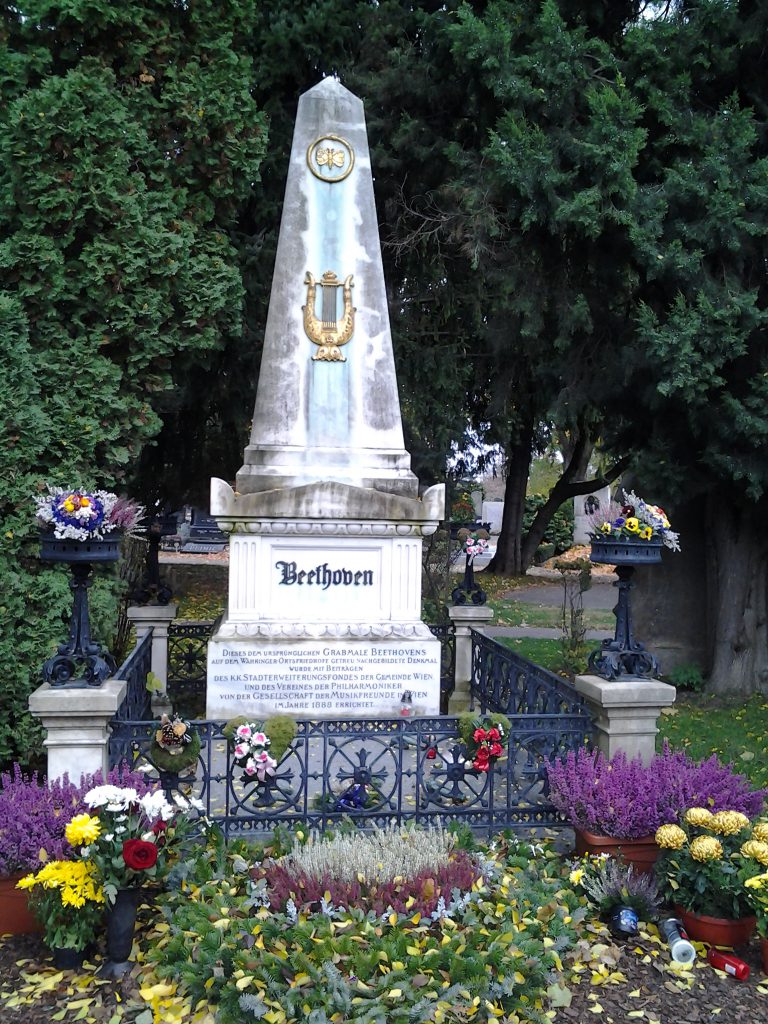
x=323 y=679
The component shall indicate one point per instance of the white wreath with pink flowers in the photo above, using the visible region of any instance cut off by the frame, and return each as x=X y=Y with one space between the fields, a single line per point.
x=251 y=752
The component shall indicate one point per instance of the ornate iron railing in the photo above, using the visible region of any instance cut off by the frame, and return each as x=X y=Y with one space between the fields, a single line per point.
x=446 y=634
x=504 y=682
x=187 y=665
x=377 y=772
x=136 y=703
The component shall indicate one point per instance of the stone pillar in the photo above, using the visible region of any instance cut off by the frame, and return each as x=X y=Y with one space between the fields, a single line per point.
x=626 y=712
x=465 y=617
x=77 y=725
x=155 y=617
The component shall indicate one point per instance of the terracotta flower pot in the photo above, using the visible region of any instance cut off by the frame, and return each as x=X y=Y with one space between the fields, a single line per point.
x=640 y=853
x=15 y=916
x=717 y=931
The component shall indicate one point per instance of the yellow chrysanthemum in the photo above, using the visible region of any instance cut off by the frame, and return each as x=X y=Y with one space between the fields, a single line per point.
x=576 y=876
x=670 y=837
x=699 y=816
x=728 y=823
x=756 y=850
x=83 y=829
x=760 y=832
x=757 y=882
x=26 y=882
x=704 y=848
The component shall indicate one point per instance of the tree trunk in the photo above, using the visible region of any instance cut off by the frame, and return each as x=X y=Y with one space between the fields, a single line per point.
x=737 y=582
x=508 y=558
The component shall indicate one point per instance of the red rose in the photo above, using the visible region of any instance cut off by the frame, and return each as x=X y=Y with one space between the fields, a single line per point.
x=480 y=767
x=483 y=755
x=478 y=735
x=494 y=734
x=496 y=750
x=139 y=855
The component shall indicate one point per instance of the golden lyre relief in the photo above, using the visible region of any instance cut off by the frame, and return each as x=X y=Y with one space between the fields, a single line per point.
x=328 y=333
x=330 y=158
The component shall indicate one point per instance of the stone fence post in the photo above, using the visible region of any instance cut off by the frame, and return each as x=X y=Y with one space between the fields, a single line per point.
x=156 y=618
x=76 y=722
x=465 y=618
x=626 y=712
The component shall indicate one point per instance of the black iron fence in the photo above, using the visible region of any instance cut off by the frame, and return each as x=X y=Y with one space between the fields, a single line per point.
x=134 y=670
x=393 y=769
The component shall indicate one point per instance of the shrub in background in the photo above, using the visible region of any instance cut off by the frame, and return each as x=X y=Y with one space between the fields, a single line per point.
x=560 y=530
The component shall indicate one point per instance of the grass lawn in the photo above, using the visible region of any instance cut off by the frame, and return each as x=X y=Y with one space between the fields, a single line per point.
x=734 y=729
x=547 y=653
x=511 y=612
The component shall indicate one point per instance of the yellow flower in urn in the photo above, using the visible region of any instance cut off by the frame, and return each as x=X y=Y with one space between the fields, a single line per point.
x=705 y=848
x=670 y=837
x=756 y=850
x=698 y=816
x=728 y=823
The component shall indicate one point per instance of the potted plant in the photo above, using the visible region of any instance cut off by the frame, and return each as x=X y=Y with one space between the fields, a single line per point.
x=616 y=805
x=620 y=895
x=130 y=840
x=33 y=817
x=80 y=528
x=757 y=886
x=706 y=862
x=68 y=901
x=625 y=536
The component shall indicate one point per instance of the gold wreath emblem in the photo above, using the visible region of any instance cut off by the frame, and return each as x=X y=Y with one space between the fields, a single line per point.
x=330 y=158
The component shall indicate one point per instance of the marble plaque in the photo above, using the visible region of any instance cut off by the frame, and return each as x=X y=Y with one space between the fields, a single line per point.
x=320 y=679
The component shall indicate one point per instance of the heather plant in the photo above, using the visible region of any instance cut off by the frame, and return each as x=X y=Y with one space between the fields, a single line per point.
x=608 y=883
x=34 y=814
x=626 y=800
x=388 y=870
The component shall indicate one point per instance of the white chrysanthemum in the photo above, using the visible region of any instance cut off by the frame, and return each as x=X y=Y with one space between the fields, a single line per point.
x=154 y=805
x=114 y=798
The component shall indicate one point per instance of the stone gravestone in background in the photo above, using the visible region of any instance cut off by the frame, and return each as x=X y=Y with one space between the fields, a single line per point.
x=326 y=522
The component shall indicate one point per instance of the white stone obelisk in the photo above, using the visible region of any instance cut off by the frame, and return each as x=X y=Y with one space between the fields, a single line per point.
x=326 y=524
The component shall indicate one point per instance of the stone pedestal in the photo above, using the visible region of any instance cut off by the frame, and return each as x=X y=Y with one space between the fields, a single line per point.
x=77 y=725
x=465 y=618
x=156 y=618
x=626 y=712
x=324 y=611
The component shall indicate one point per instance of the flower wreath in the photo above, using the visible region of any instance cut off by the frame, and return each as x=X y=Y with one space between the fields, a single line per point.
x=485 y=739
x=175 y=745
x=254 y=744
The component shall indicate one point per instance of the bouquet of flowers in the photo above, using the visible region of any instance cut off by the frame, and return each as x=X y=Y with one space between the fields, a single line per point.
x=129 y=838
x=463 y=509
x=709 y=860
x=484 y=740
x=82 y=515
x=251 y=752
x=475 y=542
x=634 y=520
x=68 y=901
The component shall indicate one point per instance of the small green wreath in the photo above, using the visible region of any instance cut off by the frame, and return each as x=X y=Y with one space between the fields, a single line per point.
x=175 y=745
x=281 y=730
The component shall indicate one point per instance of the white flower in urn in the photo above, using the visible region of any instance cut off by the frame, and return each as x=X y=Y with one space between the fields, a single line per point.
x=475 y=542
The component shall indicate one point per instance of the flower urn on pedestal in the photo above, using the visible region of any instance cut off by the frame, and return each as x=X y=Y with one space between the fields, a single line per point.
x=82 y=529
x=627 y=536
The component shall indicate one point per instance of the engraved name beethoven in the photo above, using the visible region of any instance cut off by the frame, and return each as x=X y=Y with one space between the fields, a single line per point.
x=322 y=576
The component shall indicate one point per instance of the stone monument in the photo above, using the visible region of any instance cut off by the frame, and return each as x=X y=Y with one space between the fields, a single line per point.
x=326 y=521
